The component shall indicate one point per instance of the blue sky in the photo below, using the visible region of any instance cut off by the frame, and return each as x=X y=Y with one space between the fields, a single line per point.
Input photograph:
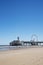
x=20 y=18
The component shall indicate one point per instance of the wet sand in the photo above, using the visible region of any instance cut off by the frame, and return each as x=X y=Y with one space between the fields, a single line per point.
x=27 y=56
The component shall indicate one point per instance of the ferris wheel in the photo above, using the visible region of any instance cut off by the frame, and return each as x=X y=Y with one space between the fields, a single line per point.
x=34 y=37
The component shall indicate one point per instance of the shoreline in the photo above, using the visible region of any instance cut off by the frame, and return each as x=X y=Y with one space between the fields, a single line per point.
x=9 y=48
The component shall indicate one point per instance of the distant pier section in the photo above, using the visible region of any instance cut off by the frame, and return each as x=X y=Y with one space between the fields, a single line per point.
x=21 y=43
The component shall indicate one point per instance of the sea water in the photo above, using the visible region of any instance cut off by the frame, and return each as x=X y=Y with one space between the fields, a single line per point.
x=6 y=47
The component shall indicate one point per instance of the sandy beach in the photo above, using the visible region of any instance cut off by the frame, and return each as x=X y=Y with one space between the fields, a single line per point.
x=28 y=56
